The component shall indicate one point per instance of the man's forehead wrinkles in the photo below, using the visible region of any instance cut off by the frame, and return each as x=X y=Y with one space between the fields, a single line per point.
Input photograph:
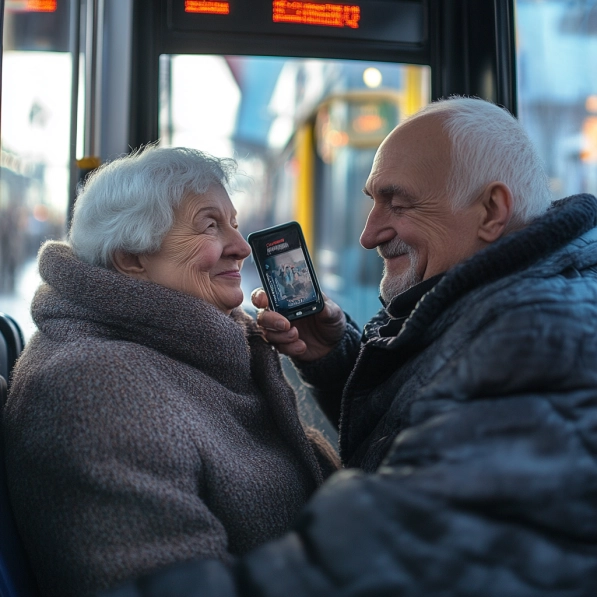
x=389 y=190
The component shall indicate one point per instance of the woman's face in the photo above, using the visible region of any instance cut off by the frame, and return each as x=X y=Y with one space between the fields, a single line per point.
x=203 y=252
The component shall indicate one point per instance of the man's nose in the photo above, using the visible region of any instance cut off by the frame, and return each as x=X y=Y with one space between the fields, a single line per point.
x=377 y=229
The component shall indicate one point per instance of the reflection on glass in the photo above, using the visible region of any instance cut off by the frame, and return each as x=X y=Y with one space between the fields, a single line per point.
x=557 y=88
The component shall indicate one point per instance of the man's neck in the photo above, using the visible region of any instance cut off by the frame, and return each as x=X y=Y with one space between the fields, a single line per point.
x=402 y=305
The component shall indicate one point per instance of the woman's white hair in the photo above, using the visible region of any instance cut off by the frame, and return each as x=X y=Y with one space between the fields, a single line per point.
x=488 y=144
x=128 y=204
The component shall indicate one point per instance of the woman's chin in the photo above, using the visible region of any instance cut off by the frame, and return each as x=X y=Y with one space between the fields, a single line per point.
x=230 y=302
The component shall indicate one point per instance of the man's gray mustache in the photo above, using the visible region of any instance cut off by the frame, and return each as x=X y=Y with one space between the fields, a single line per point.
x=394 y=248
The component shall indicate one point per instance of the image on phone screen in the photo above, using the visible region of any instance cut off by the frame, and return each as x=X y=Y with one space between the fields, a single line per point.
x=286 y=270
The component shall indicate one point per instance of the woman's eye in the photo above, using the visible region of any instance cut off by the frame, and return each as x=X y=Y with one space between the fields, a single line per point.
x=206 y=227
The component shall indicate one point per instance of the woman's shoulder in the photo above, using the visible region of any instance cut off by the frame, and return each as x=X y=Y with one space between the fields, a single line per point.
x=81 y=394
x=80 y=350
x=81 y=373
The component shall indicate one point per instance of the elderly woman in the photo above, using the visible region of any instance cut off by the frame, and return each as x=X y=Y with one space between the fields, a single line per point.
x=149 y=421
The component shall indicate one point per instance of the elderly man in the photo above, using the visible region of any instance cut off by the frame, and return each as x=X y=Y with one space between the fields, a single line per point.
x=468 y=406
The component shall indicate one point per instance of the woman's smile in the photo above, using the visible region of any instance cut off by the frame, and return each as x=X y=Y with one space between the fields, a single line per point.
x=232 y=273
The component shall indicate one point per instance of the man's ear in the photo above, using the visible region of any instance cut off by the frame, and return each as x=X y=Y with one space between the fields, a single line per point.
x=497 y=203
x=129 y=264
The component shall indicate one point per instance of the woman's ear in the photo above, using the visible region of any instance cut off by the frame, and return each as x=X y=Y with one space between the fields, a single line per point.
x=129 y=264
x=497 y=202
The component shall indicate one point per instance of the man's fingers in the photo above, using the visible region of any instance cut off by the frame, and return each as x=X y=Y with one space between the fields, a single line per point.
x=278 y=338
x=259 y=298
x=270 y=320
x=293 y=349
x=280 y=333
x=306 y=339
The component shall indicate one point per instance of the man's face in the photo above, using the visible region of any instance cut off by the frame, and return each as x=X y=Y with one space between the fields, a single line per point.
x=411 y=222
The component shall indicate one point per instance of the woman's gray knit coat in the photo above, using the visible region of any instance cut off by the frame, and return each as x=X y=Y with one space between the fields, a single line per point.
x=145 y=426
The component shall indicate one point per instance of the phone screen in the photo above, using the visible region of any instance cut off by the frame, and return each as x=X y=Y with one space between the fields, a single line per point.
x=286 y=270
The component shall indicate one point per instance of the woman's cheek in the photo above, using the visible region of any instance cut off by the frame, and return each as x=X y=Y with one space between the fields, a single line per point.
x=207 y=255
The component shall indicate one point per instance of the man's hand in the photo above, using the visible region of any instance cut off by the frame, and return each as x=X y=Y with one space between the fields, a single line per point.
x=306 y=339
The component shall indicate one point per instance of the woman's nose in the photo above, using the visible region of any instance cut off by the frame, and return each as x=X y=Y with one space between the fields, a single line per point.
x=240 y=246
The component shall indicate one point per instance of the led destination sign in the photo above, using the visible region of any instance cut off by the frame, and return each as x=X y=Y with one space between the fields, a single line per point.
x=398 y=21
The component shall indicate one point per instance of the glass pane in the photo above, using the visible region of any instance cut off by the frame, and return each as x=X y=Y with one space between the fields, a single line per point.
x=34 y=153
x=304 y=132
x=557 y=88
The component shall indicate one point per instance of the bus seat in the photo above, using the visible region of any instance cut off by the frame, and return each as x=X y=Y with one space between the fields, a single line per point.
x=11 y=344
x=16 y=578
x=3 y=359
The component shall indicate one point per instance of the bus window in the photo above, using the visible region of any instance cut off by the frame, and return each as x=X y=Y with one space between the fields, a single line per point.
x=34 y=153
x=304 y=132
x=557 y=88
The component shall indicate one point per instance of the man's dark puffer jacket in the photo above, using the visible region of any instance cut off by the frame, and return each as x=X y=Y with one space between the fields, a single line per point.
x=487 y=399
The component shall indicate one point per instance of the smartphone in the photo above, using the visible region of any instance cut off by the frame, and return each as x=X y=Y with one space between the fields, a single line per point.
x=286 y=271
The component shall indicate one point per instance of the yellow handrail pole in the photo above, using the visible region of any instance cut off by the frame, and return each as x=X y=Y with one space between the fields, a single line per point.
x=304 y=208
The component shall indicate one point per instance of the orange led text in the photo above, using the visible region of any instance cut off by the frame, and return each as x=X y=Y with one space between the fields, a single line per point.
x=310 y=13
x=207 y=7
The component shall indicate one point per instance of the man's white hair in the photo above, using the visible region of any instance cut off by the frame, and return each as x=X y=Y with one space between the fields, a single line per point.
x=488 y=144
x=128 y=204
